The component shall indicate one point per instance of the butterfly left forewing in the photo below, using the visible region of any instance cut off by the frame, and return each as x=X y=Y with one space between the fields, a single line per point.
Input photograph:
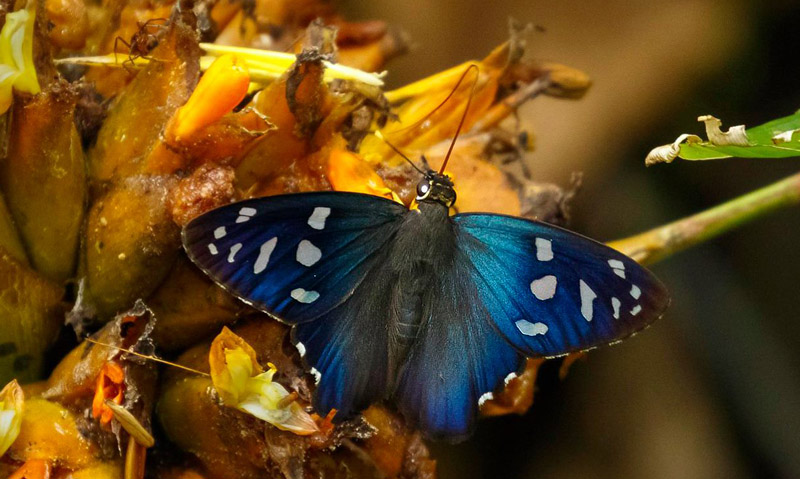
x=295 y=257
x=550 y=291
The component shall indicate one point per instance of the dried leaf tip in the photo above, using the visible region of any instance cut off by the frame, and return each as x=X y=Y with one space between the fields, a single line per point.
x=241 y=384
x=16 y=56
x=735 y=136
x=12 y=403
x=667 y=153
x=784 y=137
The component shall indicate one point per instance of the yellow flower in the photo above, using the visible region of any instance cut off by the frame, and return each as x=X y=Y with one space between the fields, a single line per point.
x=221 y=88
x=349 y=172
x=241 y=383
x=12 y=402
x=16 y=57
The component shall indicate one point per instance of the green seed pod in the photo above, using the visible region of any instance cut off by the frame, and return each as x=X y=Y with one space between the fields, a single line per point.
x=44 y=180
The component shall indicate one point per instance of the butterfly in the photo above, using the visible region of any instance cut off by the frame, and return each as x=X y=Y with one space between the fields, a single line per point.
x=431 y=310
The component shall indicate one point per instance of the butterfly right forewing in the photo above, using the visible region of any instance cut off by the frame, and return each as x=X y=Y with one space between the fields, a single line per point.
x=297 y=256
x=334 y=248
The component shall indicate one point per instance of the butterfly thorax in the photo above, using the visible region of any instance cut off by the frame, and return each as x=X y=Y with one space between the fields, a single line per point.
x=423 y=248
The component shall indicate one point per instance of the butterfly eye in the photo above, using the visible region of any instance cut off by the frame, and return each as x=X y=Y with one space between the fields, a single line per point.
x=423 y=188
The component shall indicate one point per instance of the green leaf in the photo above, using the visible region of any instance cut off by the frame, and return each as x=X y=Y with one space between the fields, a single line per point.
x=774 y=139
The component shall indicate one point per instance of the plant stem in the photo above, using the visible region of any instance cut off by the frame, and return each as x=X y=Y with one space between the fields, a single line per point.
x=659 y=243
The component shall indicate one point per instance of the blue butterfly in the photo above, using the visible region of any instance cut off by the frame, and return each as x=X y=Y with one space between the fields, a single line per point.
x=431 y=310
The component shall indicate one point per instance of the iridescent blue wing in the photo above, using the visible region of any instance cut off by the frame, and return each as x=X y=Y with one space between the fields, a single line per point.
x=516 y=287
x=301 y=258
x=347 y=347
x=550 y=291
x=295 y=257
x=459 y=358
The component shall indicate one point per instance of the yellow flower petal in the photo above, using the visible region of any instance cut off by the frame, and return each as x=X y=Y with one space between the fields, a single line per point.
x=12 y=403
x=221 y=88
x=229 y=378
x=16 y=56
x=241 y=384
x=349 y=172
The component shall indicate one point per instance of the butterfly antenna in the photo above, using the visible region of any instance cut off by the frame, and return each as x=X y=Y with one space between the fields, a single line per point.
x=397 y=150
x=440 y=105
x=466 y=110
x=148 y=357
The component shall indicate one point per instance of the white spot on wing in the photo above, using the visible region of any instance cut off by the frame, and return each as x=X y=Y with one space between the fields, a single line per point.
x=485 y=397
x=301 y=348
x=247 y=211
x=636 y=310
x=242 y=219
x=232 y=253
x=317 y=375
x=616 y=303
x=263 y=255
x=530 y=329
x=303 y=296
x=220 y=232
x=544 y=249
x=587 y=297
x=212 y=248
x=635 y=291
x=509 y=378
x=317 y=218
x=544 y=287
x=618 y=267
x=307 y=253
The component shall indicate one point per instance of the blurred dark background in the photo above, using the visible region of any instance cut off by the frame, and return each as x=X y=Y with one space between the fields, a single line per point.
x=712 y=390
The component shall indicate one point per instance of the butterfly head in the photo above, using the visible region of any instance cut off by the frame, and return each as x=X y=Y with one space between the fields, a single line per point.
x=436 y=188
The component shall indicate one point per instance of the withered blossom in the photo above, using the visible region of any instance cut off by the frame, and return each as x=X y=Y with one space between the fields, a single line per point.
x=241 y=383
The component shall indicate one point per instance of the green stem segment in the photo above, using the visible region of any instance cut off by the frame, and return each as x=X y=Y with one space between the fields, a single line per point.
x=659 y=243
